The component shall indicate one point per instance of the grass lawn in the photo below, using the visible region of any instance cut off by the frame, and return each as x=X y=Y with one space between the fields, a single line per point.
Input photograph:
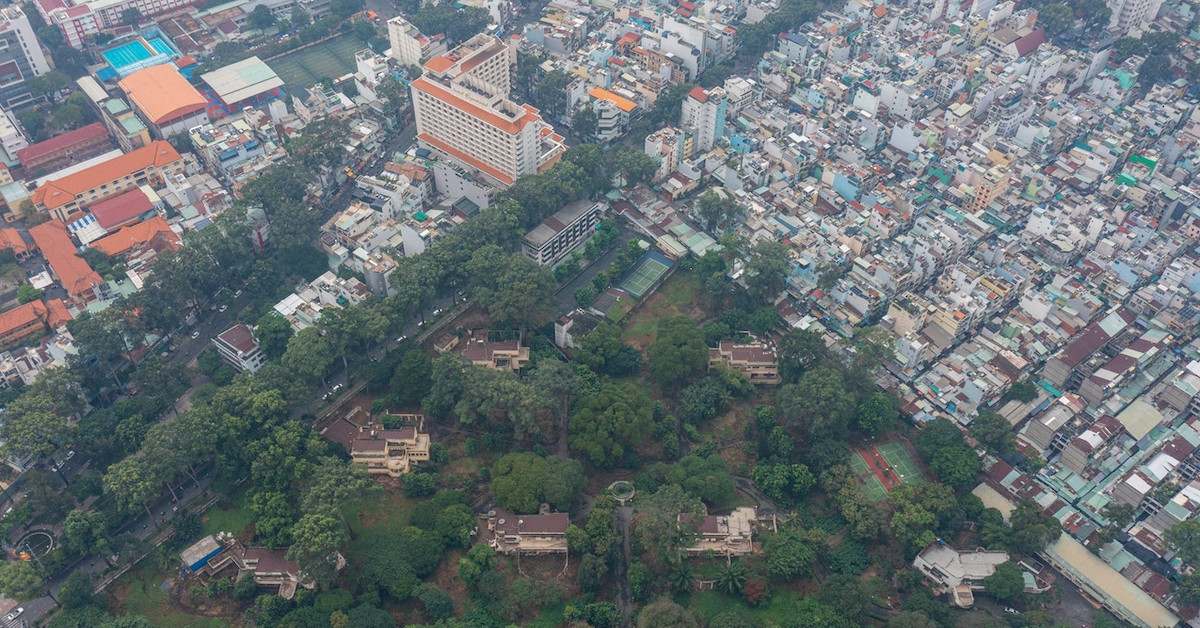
x=148 y=598
x=549 y=617
x=232 y=517
x=781 y=607
x=389 y=509
x=676 y=297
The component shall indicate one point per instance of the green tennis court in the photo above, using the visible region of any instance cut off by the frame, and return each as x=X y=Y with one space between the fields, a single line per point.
x=901 y=463
x=644 y=276
x=871 y=484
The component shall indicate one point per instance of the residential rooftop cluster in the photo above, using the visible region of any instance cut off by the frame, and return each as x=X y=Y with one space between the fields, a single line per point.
x=1008 y=210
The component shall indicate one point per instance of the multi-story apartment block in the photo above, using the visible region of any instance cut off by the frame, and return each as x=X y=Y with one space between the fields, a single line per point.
x=704 y=115
x=1128 y=15
x=409 y=45
x=82 y=20
x=21 y=57
x=238 y=346
x=567 y=228
x=463 y=111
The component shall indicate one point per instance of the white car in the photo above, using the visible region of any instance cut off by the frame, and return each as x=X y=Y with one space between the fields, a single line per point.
x=237 y=294
x=223 y=308
x=15 y=614
x=195 y=335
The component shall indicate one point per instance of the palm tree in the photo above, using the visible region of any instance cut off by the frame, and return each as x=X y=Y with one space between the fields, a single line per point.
x=731 y=578
x=681 y=576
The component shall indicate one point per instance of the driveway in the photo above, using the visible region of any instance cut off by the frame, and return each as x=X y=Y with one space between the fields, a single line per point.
x=564 y=299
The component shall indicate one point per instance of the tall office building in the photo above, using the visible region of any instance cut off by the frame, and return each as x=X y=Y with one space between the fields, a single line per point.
x=21 y=57
x=704 y=115
x=409 y=45
x=462 y=110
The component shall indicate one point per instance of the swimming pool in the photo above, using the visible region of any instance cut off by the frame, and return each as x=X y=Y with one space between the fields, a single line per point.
x=127 y=53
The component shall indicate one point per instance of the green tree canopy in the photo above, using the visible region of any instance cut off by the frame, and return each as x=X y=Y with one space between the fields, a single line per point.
x=609 y=423
x=677 y=353
x=1006 y=583
x=767 y=270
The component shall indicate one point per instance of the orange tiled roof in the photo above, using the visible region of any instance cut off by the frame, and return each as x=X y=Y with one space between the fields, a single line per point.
x=74 y=273
x=59 y=192
x=161 y=93
x=11 y=239
x=624 y=104
x=21 y=316
x=439 y=63
x=56 y=313
x=133 y=235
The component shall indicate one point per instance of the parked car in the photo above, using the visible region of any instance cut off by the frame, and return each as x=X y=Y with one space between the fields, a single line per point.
x=223 y=308
x=401 y=339
x=15 y=614
x=237 y=294
x=195 y=335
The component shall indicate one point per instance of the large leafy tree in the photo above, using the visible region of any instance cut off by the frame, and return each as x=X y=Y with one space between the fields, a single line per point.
x=767 y=270
x=134 y=484
x=21 y=580
x=85 y=532
x=603 y=352
x=819 y=403
x=522 y=481
x=309 y=355
x=273 y=332
x=608 y=424
x=950 y=458
x=677 y=353
x=514 y=289
x=993 y=432
x=1006 y=583
x=789 y=555
x=315 y=539
x=800 y=350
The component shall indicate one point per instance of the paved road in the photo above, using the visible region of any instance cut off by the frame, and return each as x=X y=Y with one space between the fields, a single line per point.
x=624 y=596
x=564 y=299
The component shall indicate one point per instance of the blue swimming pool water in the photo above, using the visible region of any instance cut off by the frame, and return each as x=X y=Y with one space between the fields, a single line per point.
x=127 y=54
x=161 y=46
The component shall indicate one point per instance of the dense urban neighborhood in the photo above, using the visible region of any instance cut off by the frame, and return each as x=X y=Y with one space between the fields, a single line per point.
x=600 y=313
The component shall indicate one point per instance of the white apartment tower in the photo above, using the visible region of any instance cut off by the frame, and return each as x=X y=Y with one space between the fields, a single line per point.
x=1128 y=15
x=20 y=59
x=409 y=46
x=463 y=112
x=704 y=115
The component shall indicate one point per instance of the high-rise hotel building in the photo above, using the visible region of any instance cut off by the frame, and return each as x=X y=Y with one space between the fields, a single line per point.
x=463 y=112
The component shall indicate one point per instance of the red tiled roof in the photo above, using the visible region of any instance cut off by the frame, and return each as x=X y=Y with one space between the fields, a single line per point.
x=59 y=192
x=699 y=94
x=82 y=135
x=121 y=209
x=74 y=273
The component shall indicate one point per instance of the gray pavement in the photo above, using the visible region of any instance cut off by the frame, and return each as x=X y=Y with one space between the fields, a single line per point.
x=564 y=299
